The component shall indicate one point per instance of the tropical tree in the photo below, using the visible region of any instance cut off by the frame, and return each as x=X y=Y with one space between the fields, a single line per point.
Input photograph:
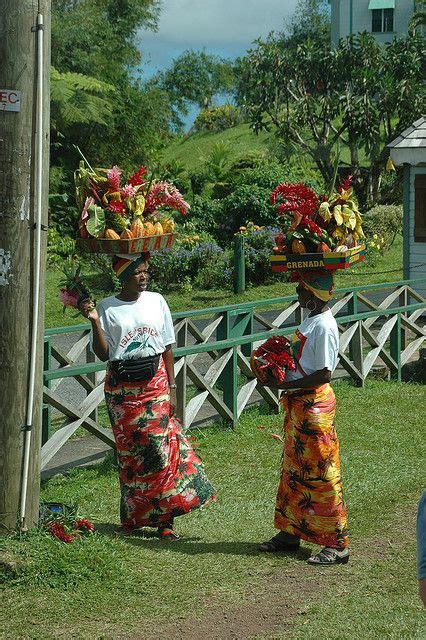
x=98 y=38
x=76 y=99
x=195 y=77
x=321 y=100
x=309 y=21
x=418 y=19
x=98 y=101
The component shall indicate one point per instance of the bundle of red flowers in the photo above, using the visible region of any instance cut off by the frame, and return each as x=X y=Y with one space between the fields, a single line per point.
x=273 y=356
x=65 y=532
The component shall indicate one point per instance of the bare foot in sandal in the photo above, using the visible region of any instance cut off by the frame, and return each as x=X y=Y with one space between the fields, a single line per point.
x=281 y=542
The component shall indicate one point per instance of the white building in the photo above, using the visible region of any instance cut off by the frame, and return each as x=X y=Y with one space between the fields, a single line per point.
x=409 y=150
x=385 y=19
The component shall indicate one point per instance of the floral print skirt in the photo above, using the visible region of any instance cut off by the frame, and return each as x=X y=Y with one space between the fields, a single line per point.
x=161 y=477
x=309 y=501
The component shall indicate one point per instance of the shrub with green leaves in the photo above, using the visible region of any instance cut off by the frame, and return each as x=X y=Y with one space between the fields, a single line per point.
x=204 y=214
x=385 y=221
x=258 y=249
x=59 y=246
x=176 y=267
x=218 y=118
x=246 y=202
x=270 y=172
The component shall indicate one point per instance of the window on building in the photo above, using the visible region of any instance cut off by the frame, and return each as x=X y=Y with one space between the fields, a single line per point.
x=420 y=208
x=382 y=20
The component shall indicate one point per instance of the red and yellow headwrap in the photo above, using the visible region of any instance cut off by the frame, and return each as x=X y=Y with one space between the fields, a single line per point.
x=320 y=283
x=125 y=266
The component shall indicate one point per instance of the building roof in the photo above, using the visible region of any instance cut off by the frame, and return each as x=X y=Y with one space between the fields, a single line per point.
x=410 y=146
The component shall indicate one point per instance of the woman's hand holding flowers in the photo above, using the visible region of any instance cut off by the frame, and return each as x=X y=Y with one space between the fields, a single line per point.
x=88 y=310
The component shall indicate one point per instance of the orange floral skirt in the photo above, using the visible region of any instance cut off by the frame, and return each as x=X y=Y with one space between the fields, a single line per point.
x=309 y=500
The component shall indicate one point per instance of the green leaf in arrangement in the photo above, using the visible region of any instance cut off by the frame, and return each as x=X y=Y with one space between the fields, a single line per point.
x=337 y=213
x=96 y=222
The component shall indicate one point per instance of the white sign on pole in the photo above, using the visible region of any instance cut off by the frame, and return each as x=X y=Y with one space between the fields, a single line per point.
x=10 y=100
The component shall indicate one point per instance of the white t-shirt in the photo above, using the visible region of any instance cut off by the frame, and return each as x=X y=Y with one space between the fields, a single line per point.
x=136 y=329
x=315 y=345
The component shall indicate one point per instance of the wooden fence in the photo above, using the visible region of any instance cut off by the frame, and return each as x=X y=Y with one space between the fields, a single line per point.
x=378 y=324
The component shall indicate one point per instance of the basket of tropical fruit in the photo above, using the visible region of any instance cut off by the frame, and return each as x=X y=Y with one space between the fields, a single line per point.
x=123 y=216
x=314 y=234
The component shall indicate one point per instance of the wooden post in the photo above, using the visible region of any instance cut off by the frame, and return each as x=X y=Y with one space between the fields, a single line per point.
x=18 y=73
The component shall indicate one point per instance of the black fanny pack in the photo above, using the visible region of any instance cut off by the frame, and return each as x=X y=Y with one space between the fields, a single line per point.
x=135 y=370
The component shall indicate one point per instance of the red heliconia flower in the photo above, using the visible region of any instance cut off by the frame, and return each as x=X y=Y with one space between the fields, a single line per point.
x=138 y=177
x=345 y=185
x=113 y=176
x=57 y=530
x=83 y=524
x=296 y=198
x=312 y=226
x=117 y=207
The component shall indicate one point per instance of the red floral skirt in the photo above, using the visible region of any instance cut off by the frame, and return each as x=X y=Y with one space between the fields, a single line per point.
x=309 y=501
x=160 y=475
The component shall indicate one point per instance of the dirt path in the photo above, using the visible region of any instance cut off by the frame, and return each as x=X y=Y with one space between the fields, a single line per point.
x=278 y=600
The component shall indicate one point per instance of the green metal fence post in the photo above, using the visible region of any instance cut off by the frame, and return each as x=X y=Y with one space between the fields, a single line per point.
x=46 y=420
x=243 y=326
x=395 y=348
x=239 y=264
x=229 y=377
x=403 y=302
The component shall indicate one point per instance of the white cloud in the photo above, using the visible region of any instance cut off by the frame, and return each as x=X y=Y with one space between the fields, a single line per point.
x=216 y=22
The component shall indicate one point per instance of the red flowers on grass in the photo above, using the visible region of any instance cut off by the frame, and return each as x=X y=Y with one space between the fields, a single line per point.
x=57 y=529
x=68 y=532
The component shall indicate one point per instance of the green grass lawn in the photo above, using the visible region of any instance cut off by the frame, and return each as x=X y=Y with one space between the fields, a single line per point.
x=104 y=587
x=386 y=268
x=195 y=148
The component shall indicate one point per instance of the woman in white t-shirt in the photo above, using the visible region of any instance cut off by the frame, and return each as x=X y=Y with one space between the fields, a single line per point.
x=160 y=475
x=309 y=502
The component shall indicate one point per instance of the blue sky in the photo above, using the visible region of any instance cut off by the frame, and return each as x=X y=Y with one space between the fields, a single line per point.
x=222 y=27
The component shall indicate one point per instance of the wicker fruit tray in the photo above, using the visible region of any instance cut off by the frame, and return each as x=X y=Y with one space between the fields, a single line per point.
x=128 y=245
x=310 y=261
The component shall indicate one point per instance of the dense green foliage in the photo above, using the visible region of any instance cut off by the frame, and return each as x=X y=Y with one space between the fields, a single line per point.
x=98 y=103
x=309 y=97
x=218 y=118
x=321 y=99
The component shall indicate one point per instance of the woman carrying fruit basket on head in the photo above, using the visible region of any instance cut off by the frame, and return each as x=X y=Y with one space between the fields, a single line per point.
x=160 y=475
x=309 y=503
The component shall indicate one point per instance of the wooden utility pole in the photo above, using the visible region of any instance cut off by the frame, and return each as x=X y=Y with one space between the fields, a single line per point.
x=20 y=44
